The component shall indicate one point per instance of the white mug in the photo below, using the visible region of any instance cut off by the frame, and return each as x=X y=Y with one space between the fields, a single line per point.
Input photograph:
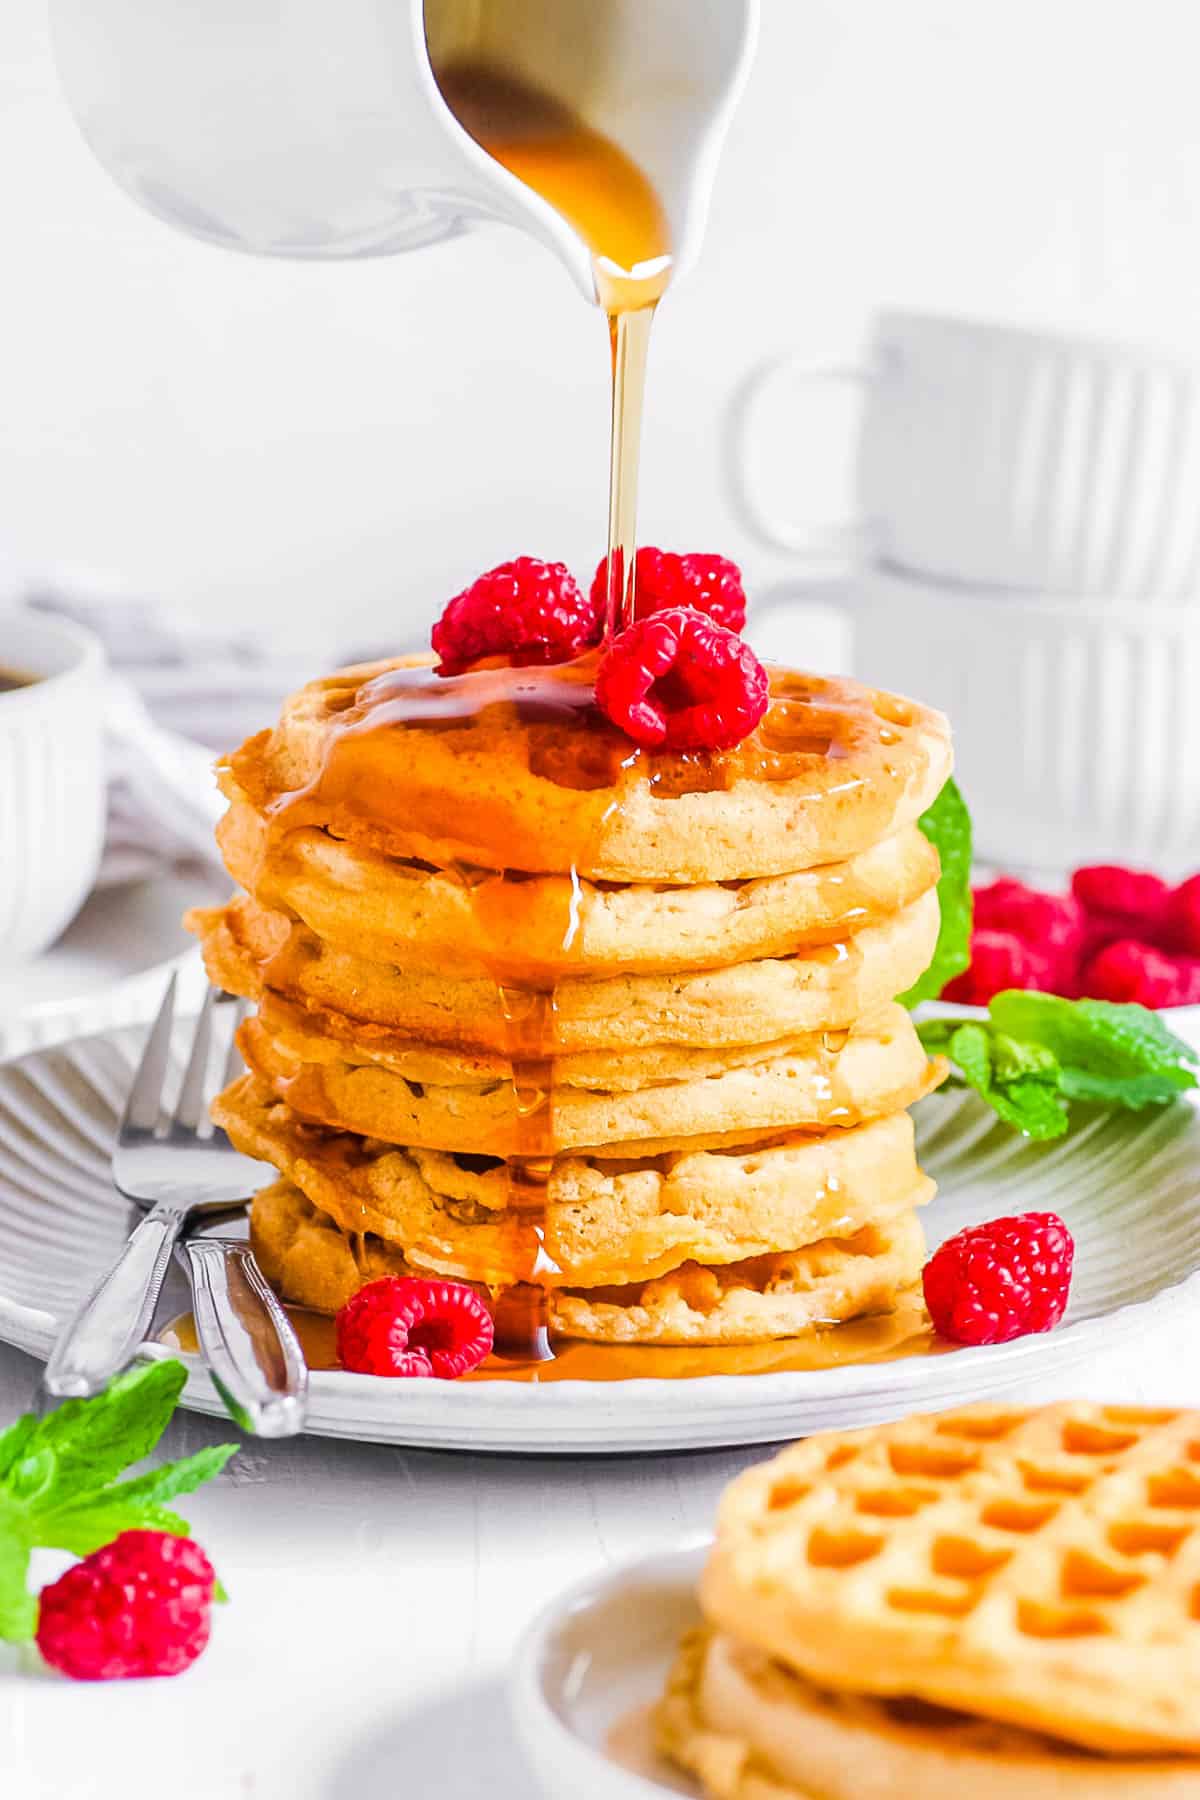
x=1076 y=724
x=1006 y=458
x=307 y=130
x=52 y=786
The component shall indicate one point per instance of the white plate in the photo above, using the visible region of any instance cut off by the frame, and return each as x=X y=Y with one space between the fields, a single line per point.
x=590 y=1668
x=1127 y=1185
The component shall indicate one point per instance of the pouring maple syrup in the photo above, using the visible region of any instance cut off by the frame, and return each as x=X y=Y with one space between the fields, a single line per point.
x=593 y=184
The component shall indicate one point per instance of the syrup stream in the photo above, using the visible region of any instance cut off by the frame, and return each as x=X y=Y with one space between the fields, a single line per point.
x=610 y=202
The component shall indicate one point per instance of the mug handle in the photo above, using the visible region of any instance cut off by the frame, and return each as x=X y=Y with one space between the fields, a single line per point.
x=838 y=538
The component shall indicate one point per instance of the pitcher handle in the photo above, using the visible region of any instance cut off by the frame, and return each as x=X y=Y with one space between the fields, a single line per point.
x=841 y=538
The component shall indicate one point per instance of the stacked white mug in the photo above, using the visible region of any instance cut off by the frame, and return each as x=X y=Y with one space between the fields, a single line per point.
x=1026 y=555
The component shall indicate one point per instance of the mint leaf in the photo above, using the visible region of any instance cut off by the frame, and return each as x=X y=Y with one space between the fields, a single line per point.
x=86 y=1528
x=15 y=1442
x=18 y=1608
x=94 y=1440
x=1035 y=1053
x=947 y=825
x=1021 y=1088
x=1115 y=1055
x=183 y=1476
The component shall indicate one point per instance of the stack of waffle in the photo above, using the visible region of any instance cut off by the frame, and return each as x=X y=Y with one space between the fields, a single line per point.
x=536 y=1008
x=996 y=1602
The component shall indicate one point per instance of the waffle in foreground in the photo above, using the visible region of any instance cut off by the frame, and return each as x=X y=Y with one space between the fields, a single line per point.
x=992 y=1601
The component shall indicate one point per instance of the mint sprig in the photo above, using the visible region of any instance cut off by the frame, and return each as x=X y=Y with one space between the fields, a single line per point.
x=947 y=825
x=58 y=1479
x=1036 y=1053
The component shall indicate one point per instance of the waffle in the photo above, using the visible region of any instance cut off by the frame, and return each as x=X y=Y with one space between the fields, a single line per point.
x=833 y=768
x=317 y=1265
x=605 y=1222
x=1040 y=1569
x=878 y=1068
x=252 y=951
x=388 y=909
x=749 y=1729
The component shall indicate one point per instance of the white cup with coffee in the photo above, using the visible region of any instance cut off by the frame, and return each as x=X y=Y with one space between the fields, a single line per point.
x=1008 y=458
x=52 y=783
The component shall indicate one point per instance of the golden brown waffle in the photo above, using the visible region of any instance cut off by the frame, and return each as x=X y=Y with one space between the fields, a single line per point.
x=463 y=923
x=877 y=1068
x=461 y=776
x=749 y=1729
x=251 y=950
x=606 y=1222
x=319 y=1266
x=1035 y=1567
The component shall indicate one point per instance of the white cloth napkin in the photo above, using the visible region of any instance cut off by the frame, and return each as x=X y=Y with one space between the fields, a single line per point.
x=175 y=697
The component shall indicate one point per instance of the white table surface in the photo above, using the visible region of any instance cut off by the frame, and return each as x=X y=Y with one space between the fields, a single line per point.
x=376 y=1595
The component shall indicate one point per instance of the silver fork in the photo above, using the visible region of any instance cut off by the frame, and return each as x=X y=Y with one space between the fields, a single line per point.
x=180 y=1169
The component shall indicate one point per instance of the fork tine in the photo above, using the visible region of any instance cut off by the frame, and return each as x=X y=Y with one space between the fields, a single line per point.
x=192 y=1109
x=142 y=1106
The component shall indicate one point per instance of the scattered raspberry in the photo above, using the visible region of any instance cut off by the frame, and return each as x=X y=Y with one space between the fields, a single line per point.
x=1120 y=903
x=526 y=610
x=1002 y=1280
x=1183 y=917
x=1049 y=922
x=140 y=1606
x=999 y=960
x=679 y=681
x=402 y=1326
x=711 y=584
x=1128 y=970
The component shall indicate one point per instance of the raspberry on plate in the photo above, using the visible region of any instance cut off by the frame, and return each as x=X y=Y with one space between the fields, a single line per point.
x=1128 y=970
x=712 y=584
x=141 y=1606
x=1002 y=1280
x=405 y=1326
x=679 y=681
x=1000 y=960
x=525 y=610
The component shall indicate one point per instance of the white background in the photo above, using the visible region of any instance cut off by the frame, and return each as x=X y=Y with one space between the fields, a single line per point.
x=345 y=445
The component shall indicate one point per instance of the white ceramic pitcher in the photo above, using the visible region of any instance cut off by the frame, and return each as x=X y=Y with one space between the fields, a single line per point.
x=293 y=128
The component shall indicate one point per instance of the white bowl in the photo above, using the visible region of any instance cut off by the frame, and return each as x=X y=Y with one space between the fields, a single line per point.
x=590 y=1667
x=52 y=787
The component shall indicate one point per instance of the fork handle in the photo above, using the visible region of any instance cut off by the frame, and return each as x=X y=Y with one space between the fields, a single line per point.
x=105 y=1333
x=246 y=1338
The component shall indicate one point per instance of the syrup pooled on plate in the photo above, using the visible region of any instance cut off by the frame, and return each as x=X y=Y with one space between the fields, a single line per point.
x=902 y=1333
x=610 y=202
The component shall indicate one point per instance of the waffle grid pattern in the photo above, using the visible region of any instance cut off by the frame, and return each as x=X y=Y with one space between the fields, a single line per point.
x=1040 y=1567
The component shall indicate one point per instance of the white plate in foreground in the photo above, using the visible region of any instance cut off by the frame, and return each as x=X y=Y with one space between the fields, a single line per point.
x=589 y=1670
x=1128 y=1185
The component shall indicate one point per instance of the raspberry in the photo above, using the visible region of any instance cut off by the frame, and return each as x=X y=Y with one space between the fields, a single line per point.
x=1049 y=922
x=525 y=610
x=999 y=960
x=140 y=1606
x=1121 y=903
x=679 y=681
x=1002 y=1280
x=1128 y=970
x=1183 y=917
x=711 y=584
x=402 y=1326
